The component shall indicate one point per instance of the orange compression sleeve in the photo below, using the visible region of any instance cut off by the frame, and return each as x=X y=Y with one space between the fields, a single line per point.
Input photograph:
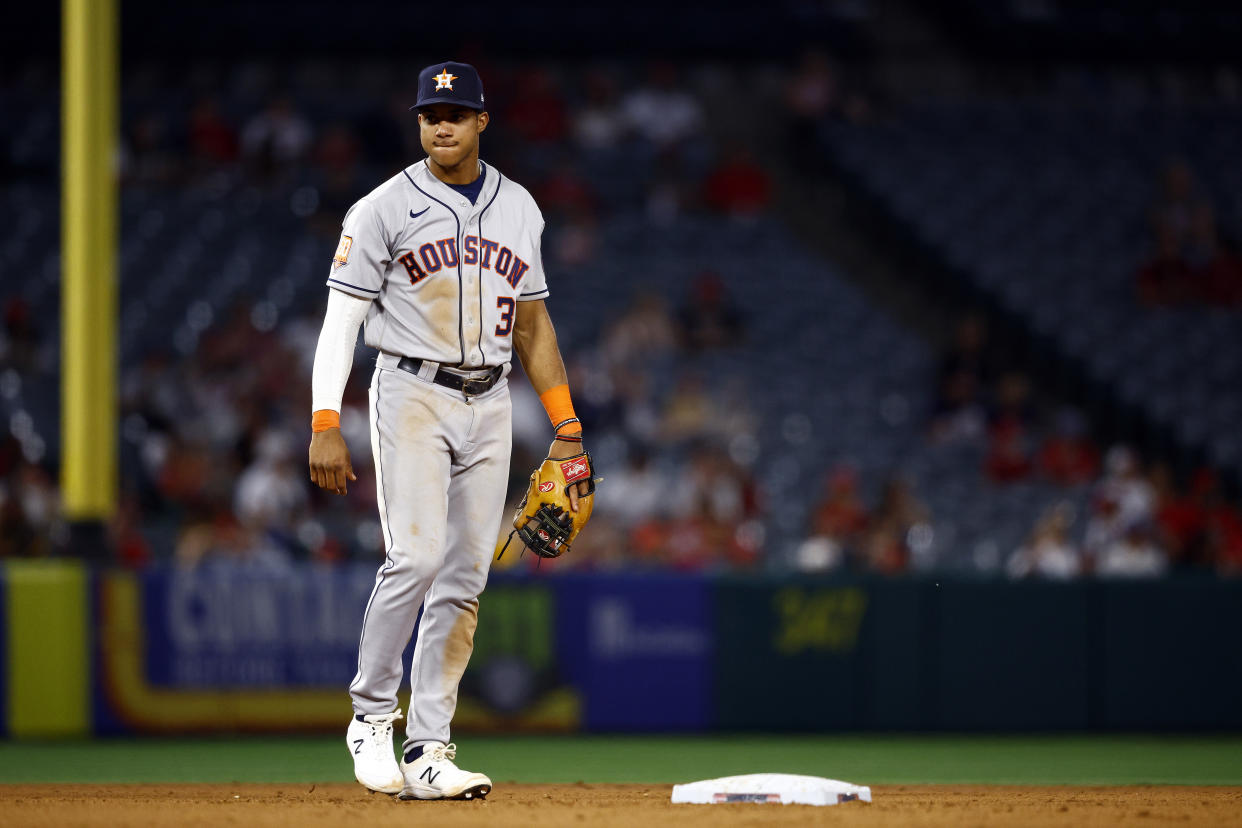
x=560 y=410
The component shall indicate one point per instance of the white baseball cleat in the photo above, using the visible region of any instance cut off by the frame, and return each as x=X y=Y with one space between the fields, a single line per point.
x=434 y=776
x=370 y=742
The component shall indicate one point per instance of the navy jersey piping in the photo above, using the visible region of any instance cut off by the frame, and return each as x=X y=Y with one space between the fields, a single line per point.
x=500 y=179
x=389 y=561
x=461 y=333
x=355 y=287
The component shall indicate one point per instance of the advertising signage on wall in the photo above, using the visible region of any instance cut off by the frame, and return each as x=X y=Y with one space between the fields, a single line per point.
x=230 y=648
x=235 y=648
x=640 y=647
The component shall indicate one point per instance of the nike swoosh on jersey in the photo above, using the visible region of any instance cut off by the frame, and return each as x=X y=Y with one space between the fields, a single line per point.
x=420 y=212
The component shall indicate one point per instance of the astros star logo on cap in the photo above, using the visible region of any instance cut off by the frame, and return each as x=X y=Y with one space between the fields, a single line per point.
x=444 y=80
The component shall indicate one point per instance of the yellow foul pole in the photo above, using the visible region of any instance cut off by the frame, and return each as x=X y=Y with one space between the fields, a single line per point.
x=88 y=260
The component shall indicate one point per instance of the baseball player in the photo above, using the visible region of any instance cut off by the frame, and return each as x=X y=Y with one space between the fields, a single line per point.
x=443 y=263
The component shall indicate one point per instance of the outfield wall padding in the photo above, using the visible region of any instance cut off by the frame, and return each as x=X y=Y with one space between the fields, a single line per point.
x=235 y=649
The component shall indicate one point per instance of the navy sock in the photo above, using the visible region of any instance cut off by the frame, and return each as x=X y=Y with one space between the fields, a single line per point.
x=360 y=717
x=413 y=754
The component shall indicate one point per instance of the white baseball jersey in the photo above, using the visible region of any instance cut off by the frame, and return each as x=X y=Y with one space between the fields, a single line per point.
x=445 y=275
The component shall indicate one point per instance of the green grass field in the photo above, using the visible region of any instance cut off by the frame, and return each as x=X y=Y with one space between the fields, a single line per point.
x=865 y=759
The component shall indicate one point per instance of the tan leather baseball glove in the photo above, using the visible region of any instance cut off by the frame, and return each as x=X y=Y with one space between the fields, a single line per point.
x=544 y=522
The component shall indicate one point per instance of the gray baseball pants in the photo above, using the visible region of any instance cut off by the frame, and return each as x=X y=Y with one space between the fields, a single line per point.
x=441 y=466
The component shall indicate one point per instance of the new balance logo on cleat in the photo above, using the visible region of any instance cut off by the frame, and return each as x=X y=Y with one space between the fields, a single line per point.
x=433 y=775
x=369 y=741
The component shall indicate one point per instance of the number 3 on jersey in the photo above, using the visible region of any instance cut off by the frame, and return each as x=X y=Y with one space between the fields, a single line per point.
x=507 y=306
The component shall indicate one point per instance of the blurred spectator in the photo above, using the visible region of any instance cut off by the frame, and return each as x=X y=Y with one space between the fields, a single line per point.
x=970 y=352
x=811 y=96
x=711 y=484
x=840 y=516
x=35 y=488
x=735 y=423
x=1221 y=537
x=813 y=92
x=565 y=192
x=1214 y=268
x=271 y=492
x=837 y=524
x=1009 y=451
x=575 y=244
x=1132 y=554
x=225 y=539
x=887 y=545
x=966 y=370
x=130 y=546
x=148 y=156
x=1067 y=456
x=1221 y=280
x=19 y=340
x=712 y=502
x=1224 y=538
x=1179 y=198
x=646 y=329
x=638 y=408
x=338 y=151
x=669 y=189
x=606 y=548
x=1048 y=552
x=663 y=111
x=710 y=526
x=1165 y=279
x=1007 y=459
x=709 y=319
x=693 y=413
x=958 y=415
x=636 y=493
x=689 y=411
x=1191 y=263
x=11 y=455
x=183 y=476
x=537 y=114
x=277 y=138
x=598 y=122
x=29 y=507
x=213 y=140
x=738 y=186
x=702 y=542
x=1125 y=485
x=1122 y=500
x=389 y=131
x=18 y=538
x=1180 y=519
x=338 y=157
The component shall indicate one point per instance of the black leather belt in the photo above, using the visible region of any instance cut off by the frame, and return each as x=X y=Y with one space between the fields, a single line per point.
x=470 y=386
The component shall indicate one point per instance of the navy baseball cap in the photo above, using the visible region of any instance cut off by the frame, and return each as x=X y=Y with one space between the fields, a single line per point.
x=451 y=83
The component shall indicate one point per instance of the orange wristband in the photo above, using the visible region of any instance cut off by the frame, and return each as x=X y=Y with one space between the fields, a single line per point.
x=560 y=409
x=324 y=419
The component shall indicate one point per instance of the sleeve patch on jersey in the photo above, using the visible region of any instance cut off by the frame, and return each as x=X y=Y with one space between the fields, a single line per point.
x=342 y=252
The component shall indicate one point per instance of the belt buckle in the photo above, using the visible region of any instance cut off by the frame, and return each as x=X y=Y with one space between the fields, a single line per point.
x=475 y=387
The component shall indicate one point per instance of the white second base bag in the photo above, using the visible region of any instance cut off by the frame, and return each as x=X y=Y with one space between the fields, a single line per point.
x=776 y=788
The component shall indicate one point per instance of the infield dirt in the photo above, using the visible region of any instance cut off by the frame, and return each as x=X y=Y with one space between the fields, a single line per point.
x=307 y=806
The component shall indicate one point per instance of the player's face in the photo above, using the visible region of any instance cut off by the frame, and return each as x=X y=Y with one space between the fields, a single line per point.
x=450 y=134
